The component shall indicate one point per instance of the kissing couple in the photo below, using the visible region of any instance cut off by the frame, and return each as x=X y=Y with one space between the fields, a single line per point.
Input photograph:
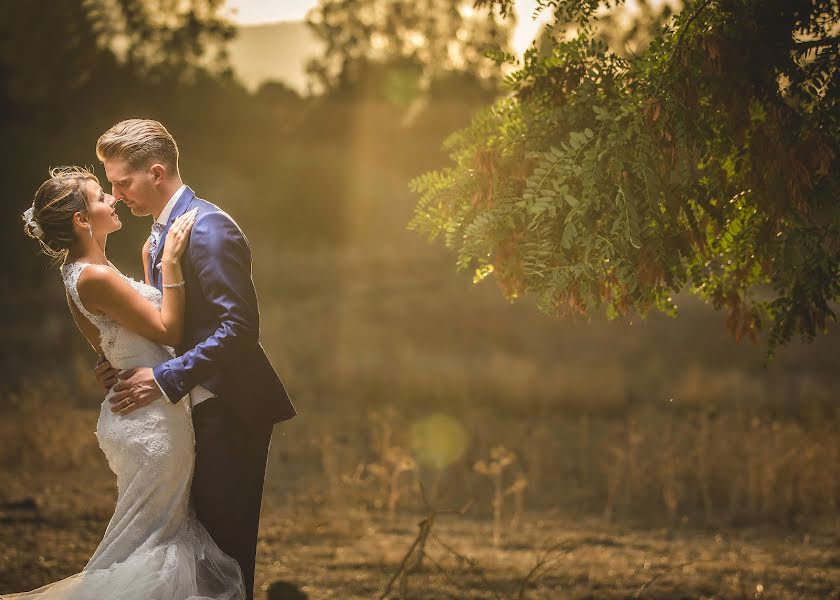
x=192 y=398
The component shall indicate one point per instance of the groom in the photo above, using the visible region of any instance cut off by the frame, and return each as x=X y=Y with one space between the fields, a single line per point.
x=220 y=366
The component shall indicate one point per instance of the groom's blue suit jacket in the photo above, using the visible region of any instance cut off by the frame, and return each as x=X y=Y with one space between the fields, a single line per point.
x=221 y=349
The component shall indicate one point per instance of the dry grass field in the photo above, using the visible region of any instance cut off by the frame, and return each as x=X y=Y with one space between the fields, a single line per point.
x=656 y=459
x=312 y=547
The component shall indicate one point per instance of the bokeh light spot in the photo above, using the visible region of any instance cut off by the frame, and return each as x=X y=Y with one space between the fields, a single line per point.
x=438 y=440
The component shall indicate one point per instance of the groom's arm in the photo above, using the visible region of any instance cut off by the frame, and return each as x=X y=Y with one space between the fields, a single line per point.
x=221 y=259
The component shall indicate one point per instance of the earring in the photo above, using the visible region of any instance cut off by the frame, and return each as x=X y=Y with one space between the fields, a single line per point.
x=90 y=230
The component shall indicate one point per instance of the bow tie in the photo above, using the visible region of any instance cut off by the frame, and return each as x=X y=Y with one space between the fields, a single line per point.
x=154 y=238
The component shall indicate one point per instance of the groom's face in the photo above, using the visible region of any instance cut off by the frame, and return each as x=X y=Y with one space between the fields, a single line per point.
x=132 y=186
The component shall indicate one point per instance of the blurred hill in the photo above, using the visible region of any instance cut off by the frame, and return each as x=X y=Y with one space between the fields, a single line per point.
x=275 y=51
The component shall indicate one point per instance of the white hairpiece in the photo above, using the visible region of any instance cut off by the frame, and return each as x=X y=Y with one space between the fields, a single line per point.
x=34 y=226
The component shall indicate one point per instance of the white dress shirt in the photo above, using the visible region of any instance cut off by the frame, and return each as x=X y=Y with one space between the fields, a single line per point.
x=199 y=393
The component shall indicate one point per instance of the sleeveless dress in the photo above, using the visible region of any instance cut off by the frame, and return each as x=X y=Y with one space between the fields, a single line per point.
x=154 y=547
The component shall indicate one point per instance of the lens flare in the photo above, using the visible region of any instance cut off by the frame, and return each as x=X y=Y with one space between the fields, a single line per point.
x=438 y=440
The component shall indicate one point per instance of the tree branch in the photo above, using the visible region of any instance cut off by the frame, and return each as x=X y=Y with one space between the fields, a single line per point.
x=685 y=27
x=808 y=45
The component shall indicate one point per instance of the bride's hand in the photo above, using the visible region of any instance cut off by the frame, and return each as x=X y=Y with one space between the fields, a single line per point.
x=177 y=239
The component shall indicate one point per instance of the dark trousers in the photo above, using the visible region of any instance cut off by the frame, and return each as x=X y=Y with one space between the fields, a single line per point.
x=230 y=460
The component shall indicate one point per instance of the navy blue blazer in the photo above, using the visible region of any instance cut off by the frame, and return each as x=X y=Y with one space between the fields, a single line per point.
x=221 y=348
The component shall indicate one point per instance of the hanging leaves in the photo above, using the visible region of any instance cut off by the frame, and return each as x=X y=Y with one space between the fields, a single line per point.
x=707 y=161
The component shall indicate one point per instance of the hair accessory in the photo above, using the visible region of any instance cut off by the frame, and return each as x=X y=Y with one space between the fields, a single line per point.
x=33 y=225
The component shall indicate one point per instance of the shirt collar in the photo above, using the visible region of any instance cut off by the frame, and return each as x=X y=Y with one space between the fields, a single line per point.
x=167 y=210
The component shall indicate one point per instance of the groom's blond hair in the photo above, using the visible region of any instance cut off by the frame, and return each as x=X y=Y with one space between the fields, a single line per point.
x=140 y=142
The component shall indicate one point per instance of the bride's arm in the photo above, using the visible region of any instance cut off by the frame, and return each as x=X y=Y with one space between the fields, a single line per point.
x=103 y=290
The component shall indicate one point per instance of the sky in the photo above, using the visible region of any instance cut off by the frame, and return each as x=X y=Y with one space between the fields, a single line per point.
x=250 y=12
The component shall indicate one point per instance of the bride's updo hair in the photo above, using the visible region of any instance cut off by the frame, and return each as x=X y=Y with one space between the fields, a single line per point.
x=56 y=201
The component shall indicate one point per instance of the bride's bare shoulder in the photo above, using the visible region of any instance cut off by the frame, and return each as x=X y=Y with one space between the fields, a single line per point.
x=95 y=278
x=97 y=286
x=96 y=272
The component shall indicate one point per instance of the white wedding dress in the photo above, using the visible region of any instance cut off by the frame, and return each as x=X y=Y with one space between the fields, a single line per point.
x=154 y=547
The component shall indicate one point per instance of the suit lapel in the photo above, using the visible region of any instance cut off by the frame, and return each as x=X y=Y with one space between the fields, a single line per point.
x=179 y=209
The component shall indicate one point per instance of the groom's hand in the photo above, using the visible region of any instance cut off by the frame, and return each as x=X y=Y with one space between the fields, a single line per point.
x=135 y=388
x=105 y=374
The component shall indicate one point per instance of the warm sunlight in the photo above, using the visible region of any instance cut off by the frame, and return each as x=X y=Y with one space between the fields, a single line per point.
x=253 y=12
x=338 y=304
x=526 y=27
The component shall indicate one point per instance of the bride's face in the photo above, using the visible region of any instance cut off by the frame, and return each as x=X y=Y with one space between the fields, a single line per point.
x=102 y=215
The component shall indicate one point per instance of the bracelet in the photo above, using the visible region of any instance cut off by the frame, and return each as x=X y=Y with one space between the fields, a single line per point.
x=175 y=285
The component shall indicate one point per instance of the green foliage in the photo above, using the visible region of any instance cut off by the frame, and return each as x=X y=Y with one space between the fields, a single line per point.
x=165 y=39
x=398 y=49
x=707 y=161
x=52 y=54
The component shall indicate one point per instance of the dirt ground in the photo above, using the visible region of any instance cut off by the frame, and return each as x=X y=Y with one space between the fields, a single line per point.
x=308 y=549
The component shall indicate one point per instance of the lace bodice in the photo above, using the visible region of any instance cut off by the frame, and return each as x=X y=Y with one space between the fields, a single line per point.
x=123 y=348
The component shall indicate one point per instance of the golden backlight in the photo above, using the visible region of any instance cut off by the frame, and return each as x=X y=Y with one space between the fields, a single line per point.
x=252 y=12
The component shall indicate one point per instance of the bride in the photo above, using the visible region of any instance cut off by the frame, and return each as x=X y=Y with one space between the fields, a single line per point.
x=154 y=547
